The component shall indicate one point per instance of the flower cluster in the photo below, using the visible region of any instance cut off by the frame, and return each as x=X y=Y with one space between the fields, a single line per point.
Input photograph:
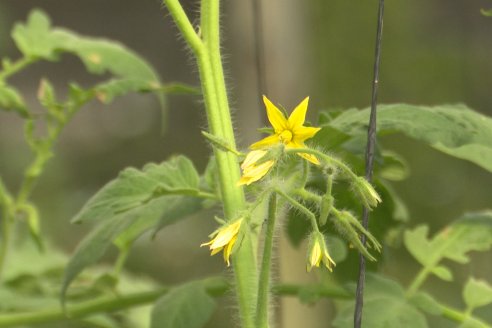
x=289 y=132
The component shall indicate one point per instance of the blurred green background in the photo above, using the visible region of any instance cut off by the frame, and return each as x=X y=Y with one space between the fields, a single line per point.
x=434 y=52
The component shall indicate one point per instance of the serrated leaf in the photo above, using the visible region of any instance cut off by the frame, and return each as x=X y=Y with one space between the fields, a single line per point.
x=471 y=233
x=37 y=39
x=477 y=293
x=176 y=207
x=187 y=306
x=11 y=100
x=133 y=188
x=385 y=306
x=34 y=38
x=93 y=247
x=453 y=129
x=129 y=206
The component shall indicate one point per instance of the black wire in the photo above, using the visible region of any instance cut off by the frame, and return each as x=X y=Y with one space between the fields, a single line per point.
x=371 y=142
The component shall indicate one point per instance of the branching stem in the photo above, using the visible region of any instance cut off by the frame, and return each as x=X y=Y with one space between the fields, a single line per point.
x=207 y=52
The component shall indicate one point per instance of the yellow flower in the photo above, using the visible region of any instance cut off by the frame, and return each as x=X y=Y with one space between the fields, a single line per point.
x=289 y=131
x=251 y=171
x=318 y=253
x=224 y=238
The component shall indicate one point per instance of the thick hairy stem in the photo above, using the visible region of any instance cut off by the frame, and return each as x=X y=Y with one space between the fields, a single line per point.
x=207 y=52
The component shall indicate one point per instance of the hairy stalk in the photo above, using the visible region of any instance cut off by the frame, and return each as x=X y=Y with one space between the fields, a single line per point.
x=42 y=148
x=300 y=207
x=266 y=264
x=207 y=53
x=215 y=286
x=325 y=158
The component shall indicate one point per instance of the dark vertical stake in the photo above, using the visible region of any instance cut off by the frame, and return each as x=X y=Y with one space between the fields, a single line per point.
x=259 y=53
x=371 y=141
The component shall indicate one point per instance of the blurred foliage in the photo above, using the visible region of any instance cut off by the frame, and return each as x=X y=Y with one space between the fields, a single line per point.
x=140 y=201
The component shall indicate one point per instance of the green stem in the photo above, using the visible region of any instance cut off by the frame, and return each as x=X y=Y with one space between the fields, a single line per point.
x=15 y=67
x=459 y=316
x=325 y=158
x=418 y=281
x=300 y=207
x=305 y=173
x=215 y=286
x=264 y=282
x=6 y=204
x=105 y=304
x=207 y=52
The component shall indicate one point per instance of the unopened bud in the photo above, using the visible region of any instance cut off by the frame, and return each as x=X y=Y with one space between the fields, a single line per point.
x=366 y=193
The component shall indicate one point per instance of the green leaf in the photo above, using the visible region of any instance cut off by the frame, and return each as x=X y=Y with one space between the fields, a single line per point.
x=453 y=129
x=37 y=39
x=133 y=188
x=176 y=207
x=135 y=202
x=485 y=12
x=34 y=38
x=472 y=232
x=329 y=137
x=477 y=293
x=385 y=306
x=394 y=167
x=187 y=306
x=95 y=245
x=11 y=100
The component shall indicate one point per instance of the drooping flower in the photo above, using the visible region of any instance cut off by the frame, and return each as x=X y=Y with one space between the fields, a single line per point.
x=251 y=170
x=289 y=131
x=224 y=238
x=318 y=253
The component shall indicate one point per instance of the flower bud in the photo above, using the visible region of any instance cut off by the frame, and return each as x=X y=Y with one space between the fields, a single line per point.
x=366 y=193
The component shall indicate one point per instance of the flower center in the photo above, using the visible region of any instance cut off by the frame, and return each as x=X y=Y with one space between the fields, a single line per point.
x=285 y=136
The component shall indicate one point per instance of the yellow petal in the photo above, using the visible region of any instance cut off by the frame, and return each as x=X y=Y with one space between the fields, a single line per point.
x=275 y=116
x=252 y=157
x=303 y=133
x=225 y=235
x=266 y=142
x=315 y=256
x=216 y=250
x=309 y=157
x=298 y=116
x=329 y=263
x=228 y=250
x=255 y=173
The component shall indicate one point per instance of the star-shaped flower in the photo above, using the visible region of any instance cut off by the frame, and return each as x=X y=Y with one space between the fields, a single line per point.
x=289 y=131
